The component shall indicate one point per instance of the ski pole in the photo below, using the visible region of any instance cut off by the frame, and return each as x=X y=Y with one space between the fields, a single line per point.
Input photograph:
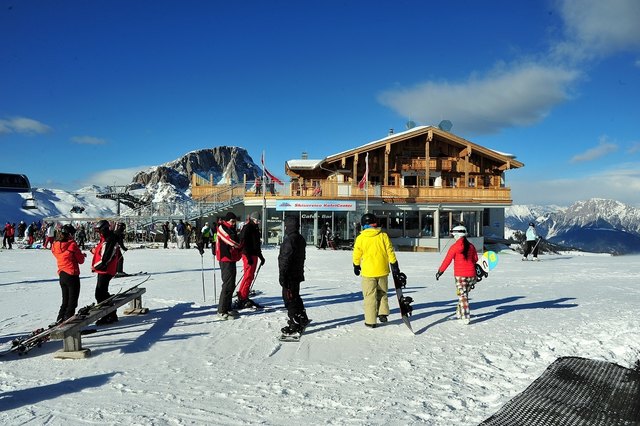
x=254 y=278
x=215 y=292
x=204 y=299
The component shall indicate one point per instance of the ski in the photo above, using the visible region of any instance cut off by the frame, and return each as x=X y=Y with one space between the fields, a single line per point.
x=125 y=274
x=400 y=282
x=22 y=345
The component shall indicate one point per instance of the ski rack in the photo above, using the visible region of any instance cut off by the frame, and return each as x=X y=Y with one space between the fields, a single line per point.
x=71 y=333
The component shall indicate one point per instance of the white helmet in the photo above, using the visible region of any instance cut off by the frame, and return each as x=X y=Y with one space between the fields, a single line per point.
x=459 y=231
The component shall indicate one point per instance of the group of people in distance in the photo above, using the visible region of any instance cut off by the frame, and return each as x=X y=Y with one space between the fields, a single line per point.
x=373 y=260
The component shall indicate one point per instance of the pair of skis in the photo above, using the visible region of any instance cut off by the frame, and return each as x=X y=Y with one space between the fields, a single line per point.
x=22 y=345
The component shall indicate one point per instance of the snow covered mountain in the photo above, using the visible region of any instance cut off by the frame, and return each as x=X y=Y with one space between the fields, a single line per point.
x=168 y=182
x=595 y=225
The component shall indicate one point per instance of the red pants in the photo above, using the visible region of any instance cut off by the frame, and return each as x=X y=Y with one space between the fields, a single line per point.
x=247 y=277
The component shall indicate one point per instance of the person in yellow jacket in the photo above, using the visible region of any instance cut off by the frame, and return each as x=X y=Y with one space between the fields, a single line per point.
x=372 y=255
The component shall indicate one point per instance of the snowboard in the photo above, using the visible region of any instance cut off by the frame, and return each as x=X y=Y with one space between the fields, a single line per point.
x=293 y=337
x=487 y=262
x=400 y=281
x=22 y=345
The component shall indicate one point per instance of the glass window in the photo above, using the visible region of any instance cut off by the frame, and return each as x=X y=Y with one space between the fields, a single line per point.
x=412 y=224
x=427 y=224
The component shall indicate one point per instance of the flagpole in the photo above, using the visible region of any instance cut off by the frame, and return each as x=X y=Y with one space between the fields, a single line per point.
x=264 y=204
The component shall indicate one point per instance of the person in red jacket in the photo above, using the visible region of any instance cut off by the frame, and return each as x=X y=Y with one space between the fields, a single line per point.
x=69 y=258
x=228 y=252
x=106 y=256
x=464 y=257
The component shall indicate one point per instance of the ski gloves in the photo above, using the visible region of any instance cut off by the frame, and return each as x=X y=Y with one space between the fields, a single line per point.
x=356 y=269
x=395 y=269
x=438 y=274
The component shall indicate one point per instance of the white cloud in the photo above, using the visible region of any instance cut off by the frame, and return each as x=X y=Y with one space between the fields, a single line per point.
x=88 y=140
x=517 y=96
x=604 y=147
x=621 y=183
x=112 y=177
x=23 y=125
x=634 y=148
x=596 y=28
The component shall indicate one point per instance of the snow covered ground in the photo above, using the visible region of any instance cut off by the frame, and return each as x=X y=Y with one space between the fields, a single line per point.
x=177 y=366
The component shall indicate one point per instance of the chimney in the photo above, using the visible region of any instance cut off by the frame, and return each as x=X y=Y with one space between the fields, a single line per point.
x=305 y=155
x=391 y=131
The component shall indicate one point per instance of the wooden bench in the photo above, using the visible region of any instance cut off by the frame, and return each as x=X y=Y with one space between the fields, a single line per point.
x=71 y=332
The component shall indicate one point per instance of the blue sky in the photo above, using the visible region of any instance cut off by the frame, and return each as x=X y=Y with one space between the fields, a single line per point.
x=93 y=91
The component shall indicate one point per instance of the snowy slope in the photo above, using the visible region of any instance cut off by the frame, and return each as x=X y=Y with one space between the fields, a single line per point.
x=176 y=365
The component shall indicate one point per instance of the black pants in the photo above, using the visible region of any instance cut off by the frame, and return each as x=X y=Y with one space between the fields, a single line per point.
x=529 y=246
x=70 y=286
x=166 y=240
x=228 y=272
x=294 y=304
x=102 y=290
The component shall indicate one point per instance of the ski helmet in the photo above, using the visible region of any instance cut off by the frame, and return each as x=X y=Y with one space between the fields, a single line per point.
x=459 y=231
x=102 y=226
x=369 y=219
x=532 y=224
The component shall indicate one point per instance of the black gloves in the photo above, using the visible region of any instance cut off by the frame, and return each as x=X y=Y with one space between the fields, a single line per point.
x=395 y=269
x=261 y=257
x=438 y=274
x=200 y=246
x=356 y=269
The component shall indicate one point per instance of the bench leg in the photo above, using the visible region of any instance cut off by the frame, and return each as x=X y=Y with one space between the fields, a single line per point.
x=72 y=348
x=135 y=307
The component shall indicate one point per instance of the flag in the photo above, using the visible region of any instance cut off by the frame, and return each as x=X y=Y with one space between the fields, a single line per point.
x=365 y=178
x=271 y=177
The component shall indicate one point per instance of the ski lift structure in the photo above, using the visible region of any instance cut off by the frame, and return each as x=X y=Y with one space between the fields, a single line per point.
x=77 y=208
x=11 y=182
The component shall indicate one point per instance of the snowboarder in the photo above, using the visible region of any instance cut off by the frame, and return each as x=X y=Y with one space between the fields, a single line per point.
x=532 y=242
x=81 y=237
x=69 y=258
x=251 y=252
x=291 y=273
x=325 y=233
x=206 y=234
x=105 y=263
x=464 y=257
x=227 y=253
x=372 y=255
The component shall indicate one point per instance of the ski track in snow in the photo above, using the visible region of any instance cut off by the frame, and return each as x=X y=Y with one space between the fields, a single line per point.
x=178 y=366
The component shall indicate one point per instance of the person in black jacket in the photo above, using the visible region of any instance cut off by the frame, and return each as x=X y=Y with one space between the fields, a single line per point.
x=291 y=268
x=251 y=252
x=120 y=232
x=228 y=252
x=166 y=232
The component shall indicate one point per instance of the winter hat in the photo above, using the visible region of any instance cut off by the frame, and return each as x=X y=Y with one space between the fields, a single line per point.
x=230 y=216
x=254 y=216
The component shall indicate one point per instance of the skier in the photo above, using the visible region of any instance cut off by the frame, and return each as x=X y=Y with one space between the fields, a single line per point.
x=206 y=234
x=50 y=234
x=372 y=255
x=69 y=258
x=464 y=257
x=180 y=231
x=105 y=263
x=251 y=252
x=531 y=245
x=325 y=233
x=291 y=273
x=81 y=237
x=120 y=232
x=227 y=253
x=166 y=232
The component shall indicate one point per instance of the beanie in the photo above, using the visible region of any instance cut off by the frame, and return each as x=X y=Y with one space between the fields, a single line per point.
x=230 y=216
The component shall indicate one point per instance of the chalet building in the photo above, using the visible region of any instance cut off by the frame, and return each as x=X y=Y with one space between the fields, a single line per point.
x=420 y=183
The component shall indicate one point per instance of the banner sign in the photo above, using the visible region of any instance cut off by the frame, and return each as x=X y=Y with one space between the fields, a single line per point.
x=317 y=205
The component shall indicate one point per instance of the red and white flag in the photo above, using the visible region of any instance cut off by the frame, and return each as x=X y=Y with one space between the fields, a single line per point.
x=271 y=177
x=365 y=178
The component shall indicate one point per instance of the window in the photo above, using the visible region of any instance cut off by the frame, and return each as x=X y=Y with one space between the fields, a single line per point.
x=411 y=224
x=427 y=224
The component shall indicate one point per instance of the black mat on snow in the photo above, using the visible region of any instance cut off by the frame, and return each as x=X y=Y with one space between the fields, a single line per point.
x=576 y=392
